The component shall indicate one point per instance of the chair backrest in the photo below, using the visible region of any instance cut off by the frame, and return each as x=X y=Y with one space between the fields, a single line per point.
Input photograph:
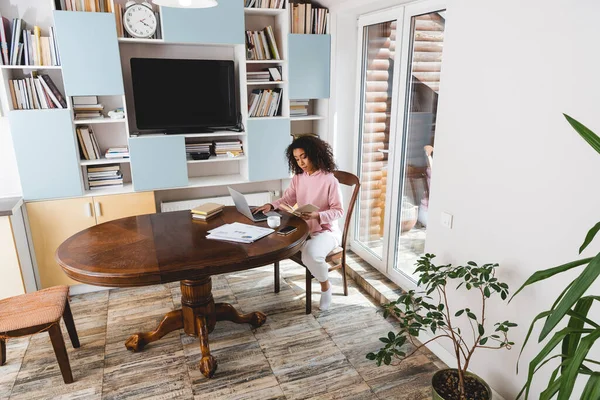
x=346 y=178
x=429 y=155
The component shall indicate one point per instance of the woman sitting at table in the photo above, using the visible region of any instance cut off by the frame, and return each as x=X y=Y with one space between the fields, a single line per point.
x=311 y=160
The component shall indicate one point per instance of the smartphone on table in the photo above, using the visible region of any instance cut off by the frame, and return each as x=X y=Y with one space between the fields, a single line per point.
x=286 y=230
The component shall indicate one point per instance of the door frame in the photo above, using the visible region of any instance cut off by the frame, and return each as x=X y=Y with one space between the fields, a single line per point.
x=390 y=14
x=403 y=101
x=398 y=121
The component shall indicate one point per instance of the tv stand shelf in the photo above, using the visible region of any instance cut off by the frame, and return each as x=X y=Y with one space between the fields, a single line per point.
x=215 y=159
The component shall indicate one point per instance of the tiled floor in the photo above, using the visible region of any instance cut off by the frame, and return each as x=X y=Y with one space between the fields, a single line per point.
x=292 y=356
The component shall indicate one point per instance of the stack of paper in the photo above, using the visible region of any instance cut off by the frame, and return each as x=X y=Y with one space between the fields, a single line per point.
x=237 y=232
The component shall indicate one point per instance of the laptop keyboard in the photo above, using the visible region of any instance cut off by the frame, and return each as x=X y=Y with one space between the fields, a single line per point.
x=259 y=215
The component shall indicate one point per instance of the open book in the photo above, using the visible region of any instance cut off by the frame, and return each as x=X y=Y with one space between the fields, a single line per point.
x=307 y=208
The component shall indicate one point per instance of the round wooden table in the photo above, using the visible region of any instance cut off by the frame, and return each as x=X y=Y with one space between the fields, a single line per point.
x=168 y=247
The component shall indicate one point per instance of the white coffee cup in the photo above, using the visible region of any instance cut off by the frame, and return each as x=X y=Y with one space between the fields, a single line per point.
x=273 y=221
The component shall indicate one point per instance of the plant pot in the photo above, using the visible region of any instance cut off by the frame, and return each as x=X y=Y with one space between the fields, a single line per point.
x=475 y=387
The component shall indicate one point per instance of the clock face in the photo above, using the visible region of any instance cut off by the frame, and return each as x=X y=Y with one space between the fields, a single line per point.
x=139 y=21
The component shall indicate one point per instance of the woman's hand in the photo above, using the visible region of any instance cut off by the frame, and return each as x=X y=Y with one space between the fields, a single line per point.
x=264 y=208
x=310 y=215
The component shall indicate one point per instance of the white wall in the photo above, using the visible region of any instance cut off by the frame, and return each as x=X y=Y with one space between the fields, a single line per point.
x=9 y=174
x=521 y=184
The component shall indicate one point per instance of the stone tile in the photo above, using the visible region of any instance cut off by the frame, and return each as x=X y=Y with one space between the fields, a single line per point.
x=158 y=371
x=15 y=350
x=242 y=370
x=360 y=391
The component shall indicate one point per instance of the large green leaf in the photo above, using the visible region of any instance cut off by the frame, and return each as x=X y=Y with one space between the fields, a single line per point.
x=572 y=369
x=571 y=342
x=582 y=283
x=552 y=387
x=585 y=133
x=547 y=273
x=589 y=237
x=536 y=319
x=552 y=343
x=592 y=389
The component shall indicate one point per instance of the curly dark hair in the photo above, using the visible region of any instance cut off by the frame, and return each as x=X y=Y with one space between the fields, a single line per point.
x=318 y=152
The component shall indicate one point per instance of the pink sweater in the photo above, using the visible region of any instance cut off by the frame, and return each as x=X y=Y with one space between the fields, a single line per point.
x=321 y=189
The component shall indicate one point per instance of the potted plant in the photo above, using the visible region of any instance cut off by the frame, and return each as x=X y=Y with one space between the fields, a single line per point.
x=419 y=312
x=581 y=333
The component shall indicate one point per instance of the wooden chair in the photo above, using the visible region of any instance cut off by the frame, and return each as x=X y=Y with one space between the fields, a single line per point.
x=36 y=312
x=337 y=258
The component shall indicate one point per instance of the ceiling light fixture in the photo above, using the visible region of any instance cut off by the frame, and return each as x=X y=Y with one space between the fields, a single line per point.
x=186 y=3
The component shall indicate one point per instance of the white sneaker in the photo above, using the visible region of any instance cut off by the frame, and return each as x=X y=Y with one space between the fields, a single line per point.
x=325 y=299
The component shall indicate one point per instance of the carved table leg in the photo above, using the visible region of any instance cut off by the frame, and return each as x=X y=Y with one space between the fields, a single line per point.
x=171 y=322
x=208 y=364
x=198 y=317
x=226 y=312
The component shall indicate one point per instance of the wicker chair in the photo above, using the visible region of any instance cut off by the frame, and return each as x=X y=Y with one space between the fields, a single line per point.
x=36 y=312
x=337 y=257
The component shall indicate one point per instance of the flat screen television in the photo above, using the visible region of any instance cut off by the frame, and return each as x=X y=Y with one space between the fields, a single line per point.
x=175 y=95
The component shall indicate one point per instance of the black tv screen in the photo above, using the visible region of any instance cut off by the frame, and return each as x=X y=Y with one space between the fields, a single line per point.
x=183 y=95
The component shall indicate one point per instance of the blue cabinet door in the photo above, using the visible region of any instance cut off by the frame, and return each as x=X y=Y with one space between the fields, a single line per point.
x=89 y=53
x=309 y=65
x=267 y=142
x=46 y=151
x=223 y=24
x=158 y=162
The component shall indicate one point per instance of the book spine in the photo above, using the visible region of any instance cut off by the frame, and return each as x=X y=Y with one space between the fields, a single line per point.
x=54 y=90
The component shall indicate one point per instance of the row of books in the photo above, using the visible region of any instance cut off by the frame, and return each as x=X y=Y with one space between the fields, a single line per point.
x=104 y=176
x=269 y=74
x=35 y=93
x=88 y=144
x=117 y=152
x=262 y=45
x=265 y=102
x=298 y=108
x=308 y=19
x=199 y=151
x=206 y=211
x=264 y=3
x=88 y=111
x=20 y=46
x=85 y=5
x=228 y=148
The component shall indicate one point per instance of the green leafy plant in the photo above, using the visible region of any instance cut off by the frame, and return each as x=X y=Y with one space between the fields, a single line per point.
x=581 y=333
x=420 y=312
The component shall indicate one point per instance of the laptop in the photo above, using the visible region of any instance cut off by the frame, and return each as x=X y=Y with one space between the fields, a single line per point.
x=242 y=206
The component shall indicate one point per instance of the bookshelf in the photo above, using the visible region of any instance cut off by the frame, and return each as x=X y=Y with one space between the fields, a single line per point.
x=94 y=62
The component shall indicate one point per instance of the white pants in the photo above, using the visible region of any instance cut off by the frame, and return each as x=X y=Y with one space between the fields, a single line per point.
x=314 y=252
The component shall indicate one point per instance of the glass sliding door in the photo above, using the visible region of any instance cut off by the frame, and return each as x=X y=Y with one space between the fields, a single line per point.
x=399 y=62
x=416 y=149
x=375 y=122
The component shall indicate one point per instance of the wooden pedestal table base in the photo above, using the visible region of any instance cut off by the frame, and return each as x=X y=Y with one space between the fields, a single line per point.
x=198 y=316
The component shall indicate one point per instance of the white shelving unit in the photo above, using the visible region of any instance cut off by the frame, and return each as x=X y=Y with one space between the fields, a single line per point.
x=117 y=132
x=104 y=161
x=263 y=83
x=104 y=120
x=35 y=67
x=307 y=118
x=265 y=61
x=215 y=159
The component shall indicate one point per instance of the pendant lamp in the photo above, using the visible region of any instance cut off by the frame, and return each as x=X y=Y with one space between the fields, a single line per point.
x=186 y=3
